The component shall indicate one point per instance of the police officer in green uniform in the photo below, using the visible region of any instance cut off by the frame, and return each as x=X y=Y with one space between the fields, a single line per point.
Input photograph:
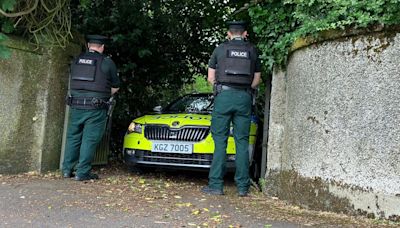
x=234 y=70
x=93 y=81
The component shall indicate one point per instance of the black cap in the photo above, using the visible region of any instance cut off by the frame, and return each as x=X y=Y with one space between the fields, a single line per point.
x=237 y=25
x=96 y=39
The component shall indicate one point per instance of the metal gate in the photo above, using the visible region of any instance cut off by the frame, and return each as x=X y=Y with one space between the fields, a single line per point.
x=103 y=149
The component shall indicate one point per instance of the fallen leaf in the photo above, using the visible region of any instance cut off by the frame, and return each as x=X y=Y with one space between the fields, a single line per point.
x=216 y=218
x=196 y=212
x=31 y=173
x=183 y=204
x=160 y=222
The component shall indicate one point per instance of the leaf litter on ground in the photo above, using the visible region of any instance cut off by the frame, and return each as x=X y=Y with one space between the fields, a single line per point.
x=155 y=193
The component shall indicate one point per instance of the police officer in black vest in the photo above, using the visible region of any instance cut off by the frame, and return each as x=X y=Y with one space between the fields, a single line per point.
x=93 y=80
x=234 y=70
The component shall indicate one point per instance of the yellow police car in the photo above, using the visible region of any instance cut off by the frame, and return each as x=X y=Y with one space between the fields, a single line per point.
x=178 y=136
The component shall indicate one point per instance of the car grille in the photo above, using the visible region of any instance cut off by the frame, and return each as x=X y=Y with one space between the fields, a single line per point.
x=188 y=134
x=172 y=158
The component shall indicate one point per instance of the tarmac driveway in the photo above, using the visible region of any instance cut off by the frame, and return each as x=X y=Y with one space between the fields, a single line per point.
x=159 y=199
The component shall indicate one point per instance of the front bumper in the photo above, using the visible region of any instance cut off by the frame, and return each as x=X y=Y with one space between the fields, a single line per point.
x=148 y=158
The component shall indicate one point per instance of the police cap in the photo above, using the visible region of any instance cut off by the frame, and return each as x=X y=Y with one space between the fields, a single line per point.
x=237 y=25
x=96 y=39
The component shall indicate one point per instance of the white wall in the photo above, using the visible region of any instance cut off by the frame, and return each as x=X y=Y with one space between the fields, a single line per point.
x=335 y=115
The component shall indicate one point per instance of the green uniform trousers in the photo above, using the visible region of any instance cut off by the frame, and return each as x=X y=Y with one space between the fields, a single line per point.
x=231 y=106
x=85 y=130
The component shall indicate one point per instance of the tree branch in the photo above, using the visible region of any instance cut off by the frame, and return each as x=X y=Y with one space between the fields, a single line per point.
x=20 y=13
x=246 y=6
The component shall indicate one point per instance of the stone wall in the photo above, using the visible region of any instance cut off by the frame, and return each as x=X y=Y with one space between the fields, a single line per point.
x=32 y=90
x=334 y=135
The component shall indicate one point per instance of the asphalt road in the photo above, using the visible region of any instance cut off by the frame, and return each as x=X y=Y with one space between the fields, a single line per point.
x=124 y=199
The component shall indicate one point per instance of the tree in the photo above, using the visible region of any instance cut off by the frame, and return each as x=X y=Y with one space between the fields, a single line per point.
x=158 y=46
x=44 y=21
x=278 y=24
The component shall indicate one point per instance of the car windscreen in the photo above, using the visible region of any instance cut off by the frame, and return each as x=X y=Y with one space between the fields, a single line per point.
x=191 y=104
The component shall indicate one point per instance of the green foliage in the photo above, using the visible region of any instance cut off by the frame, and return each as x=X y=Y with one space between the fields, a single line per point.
x=263 y=184
x=6 y=27
x=4 y=52
x=8 y=5
x=45 y=22
x=272 y=22
x=158 y=46
x=279 y=23
x=199 y=85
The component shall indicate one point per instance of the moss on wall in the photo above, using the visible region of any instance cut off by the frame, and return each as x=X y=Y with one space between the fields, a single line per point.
x=58 y=79
x=380 y=32
x=34 y=84
x=312 y=193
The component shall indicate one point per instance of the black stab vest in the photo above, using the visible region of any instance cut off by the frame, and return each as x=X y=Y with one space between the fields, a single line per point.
x=236 y=67
x=86 y=74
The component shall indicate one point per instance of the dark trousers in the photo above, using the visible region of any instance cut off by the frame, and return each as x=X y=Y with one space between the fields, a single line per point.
x=85 y=130
x=231 y=106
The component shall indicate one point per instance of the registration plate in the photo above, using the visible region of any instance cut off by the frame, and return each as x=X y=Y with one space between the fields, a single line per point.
x=172 y=147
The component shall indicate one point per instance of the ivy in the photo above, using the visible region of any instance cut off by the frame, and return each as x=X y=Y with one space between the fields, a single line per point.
x=6 y=26
x=279 y=23
x=272 y=22
x=4 y=52
x=7 y=5
x=41 y=21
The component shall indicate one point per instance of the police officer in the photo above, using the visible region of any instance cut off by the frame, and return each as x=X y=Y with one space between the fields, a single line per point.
x=93 y=80
x=234 y=69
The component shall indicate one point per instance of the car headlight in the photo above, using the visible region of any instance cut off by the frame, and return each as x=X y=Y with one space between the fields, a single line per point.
x=135 y=127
